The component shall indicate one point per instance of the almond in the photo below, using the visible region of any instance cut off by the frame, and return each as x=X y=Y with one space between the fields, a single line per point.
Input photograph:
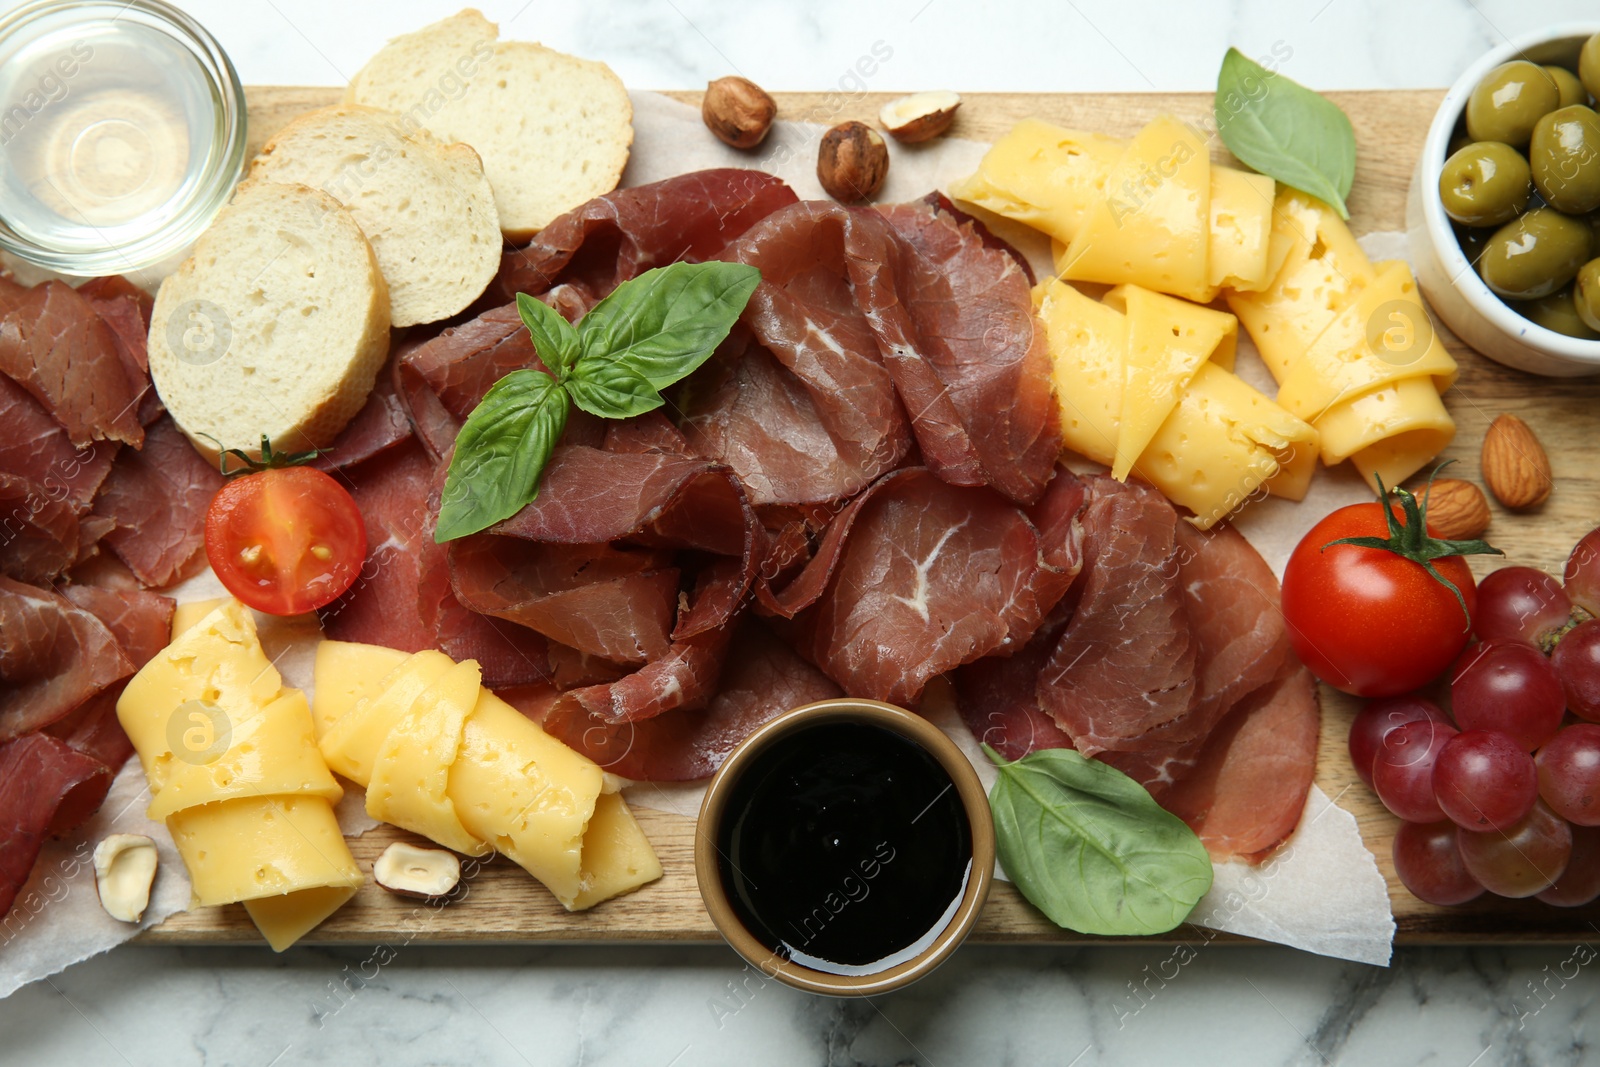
x=1515 y=467
x=1457 y=510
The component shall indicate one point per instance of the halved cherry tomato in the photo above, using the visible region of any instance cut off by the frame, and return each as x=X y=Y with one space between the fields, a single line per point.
x=286 y=540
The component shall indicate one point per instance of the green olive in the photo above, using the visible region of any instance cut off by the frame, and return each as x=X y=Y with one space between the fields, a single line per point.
x=1565 y=157
x=1586 y=295
x=1509 y=100
x=1535 y=255
x=1485 y=184
x=1556 y=312
x=1589 y=66
x=1572 y=90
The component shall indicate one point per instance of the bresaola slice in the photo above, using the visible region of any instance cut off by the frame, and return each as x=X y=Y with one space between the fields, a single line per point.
x=931 y=576
x=54 y=656
x=38 y=535
x=158 y=497
x=36 y=447
x=46 y=787
x=1126 y=663
x=589 y=251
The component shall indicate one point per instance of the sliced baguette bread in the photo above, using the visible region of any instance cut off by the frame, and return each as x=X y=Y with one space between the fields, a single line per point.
x=276 y=324
x=553 y=130
x=425 y=207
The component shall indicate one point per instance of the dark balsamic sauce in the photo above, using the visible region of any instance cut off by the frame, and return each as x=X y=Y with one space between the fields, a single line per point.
x=845 y=848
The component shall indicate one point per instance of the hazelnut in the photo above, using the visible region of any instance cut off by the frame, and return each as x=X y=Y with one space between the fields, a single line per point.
x=738 y=111
x=920 y=116
x=852 y=161
x=425 y=873
x=124 y=868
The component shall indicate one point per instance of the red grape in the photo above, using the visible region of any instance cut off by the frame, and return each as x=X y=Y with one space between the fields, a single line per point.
x=1583 y=573
x=1520 y=604
x=1428 y=862
x=1511 y=687
x=1577 y=663
x=1580 y=882
x=1402 y=772
x=1483 y=781
x=1373 y=722
x=1523 y=860
x=1569 y=774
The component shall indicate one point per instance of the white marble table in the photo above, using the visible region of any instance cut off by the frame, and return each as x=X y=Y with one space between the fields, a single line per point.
x=1133 y=1005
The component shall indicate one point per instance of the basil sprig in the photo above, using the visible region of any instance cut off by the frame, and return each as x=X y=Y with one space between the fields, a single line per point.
x=649 y=333
x=1089 y=847
x=1285 y=130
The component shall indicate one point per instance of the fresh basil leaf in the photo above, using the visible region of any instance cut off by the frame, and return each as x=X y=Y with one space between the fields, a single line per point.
x=1285 y=130
x=610 y=389
x=1090 y=848
x=501 y=452
x=553 y=336
x=666 y=322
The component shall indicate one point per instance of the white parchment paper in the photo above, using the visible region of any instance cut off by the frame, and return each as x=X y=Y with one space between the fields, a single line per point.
x=1322 y=892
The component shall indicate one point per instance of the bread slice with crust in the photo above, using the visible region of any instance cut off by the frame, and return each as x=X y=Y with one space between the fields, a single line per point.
x=276 y=324
x=553 y=130
x=425 y=207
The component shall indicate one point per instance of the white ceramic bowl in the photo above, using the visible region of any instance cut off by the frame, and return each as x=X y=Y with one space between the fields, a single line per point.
x=1457 y=294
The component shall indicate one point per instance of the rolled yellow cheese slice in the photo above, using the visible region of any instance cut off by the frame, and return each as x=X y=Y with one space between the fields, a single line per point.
x=1318 y=270
x=346 y=674
x=1390 y=433
x=1152 y=227
x=1088 y=344
x=233 y=768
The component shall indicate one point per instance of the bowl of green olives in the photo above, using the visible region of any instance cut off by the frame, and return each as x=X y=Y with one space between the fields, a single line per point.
x=1503 y=215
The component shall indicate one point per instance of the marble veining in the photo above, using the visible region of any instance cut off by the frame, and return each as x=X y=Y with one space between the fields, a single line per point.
x=1072 y=1007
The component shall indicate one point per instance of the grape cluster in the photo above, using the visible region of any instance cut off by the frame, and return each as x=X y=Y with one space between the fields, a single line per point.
x=1501 y=795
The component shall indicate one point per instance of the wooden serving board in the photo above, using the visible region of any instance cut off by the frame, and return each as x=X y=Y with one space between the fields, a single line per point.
x=504 y=904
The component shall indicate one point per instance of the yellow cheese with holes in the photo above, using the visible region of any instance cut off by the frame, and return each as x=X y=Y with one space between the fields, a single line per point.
x=1391 y=432
x=527 y=794
x=1296 y=466
x=1088 y=343
x=1318 y=271
x=351 y=744
x=1382 y=336
x=186 y=615
x=348 y=673
x=1168 y=340
x=410 y=779
x=233 y=768
x=251 y=847
x=1238 y=253
x=268 y=753
x=218 y=666
x=617 y=858
x=448 y=759
x=1152 y=226
x=285 y=919
x=1222 y=442
x=1043 y=175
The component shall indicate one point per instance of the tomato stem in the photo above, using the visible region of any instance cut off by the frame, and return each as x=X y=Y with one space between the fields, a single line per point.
x=1409 y=538
x=269 y=460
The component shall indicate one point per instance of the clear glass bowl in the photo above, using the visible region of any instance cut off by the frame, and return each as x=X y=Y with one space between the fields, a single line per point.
x=122 y=132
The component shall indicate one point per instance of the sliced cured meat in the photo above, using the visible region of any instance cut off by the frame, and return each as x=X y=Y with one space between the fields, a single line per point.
x=592 y=249
x=976 y=373
x=650 y=432
x=1126 y=663
x=762 y=679
x=941 y=204
x=1240 y=636
x=46 y=787
x=508 y=654
x=380 y=424
x=931 y=576
x=36 y=447
x=1248 y=787
x=616 y=603
x=382 y=607
x=53 y=656
x=998 y=701
x=806 y=411
x=158 y=497
x=38 y=535
x=126 y=310
x=54 y=345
